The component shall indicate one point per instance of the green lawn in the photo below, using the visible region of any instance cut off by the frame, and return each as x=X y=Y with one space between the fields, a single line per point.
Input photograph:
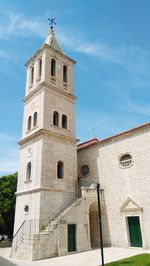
x=139 y=260
x=5 y=243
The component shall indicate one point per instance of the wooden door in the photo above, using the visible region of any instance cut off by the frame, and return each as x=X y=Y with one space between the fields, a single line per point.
x=135 y=231
x=71 y=237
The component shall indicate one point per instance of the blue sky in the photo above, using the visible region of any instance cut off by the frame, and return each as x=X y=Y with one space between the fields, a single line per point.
x=109 y=39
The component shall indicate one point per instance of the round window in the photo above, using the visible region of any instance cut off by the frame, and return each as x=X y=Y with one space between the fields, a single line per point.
x=84 y=170
x=26 y=209
x=126 y=160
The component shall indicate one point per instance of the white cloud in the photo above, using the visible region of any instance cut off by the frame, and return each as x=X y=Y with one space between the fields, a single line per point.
x=104 y=124
x=8 y=166
x=135 y=107
x=8 y=153
x=16 y=24
x=125 y=103
x=6 y=137
x=133 y=58
x=5 y=54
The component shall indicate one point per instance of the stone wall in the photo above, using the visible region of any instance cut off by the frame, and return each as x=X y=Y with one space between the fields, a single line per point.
x=120 y=183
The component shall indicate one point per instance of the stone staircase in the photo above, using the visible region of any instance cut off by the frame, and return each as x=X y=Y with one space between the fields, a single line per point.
x=40 y=239
x=52 y=224
x=24 y=238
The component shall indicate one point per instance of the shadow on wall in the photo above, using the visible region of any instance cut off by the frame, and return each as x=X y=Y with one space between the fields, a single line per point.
x=5 y=262
x=87 y=158
x=105 y=225
x=94 y=225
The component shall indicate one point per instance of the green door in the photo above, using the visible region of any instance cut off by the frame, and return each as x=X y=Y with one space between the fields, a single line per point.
x=71 y=237
x=135 y=231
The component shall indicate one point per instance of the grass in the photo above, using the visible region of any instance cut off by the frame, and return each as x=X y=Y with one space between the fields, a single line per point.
x=5 y=243
x=139 y=260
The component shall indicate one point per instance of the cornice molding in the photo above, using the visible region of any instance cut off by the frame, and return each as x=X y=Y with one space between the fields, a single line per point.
x=62 y=92
x=46 y=46
x=44 y=85
x=131 y=210
x=35 y=190
x=44 y=132
x=130 y=206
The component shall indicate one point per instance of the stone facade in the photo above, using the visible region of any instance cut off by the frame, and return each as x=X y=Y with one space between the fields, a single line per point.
x=48 y=158
x=56 y=207
x=126 y=190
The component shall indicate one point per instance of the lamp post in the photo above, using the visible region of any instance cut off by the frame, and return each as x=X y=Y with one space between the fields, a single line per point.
x=97 y=187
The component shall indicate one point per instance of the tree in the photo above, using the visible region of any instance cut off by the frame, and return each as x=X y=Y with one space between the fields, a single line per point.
x=8 y=185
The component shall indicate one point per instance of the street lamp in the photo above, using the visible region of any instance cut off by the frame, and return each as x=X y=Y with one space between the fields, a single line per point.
x=97 y=187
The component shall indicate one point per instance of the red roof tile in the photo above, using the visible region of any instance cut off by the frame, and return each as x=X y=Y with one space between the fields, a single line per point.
x=96 y=141
x=87 y=143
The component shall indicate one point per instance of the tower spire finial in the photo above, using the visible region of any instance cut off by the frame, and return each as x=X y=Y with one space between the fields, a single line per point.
x=93 y=135
x=52 y=22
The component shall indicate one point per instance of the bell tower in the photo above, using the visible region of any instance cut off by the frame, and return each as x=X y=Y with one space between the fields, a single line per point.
x=47 y=172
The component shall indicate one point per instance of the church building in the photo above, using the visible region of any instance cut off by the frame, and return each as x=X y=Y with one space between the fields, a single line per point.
x=56 y=206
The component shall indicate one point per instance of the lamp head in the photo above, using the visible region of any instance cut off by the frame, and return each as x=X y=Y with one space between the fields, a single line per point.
x=94 y=185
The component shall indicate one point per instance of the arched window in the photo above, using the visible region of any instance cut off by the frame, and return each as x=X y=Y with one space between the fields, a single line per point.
x=28 y=174
x=55 y=118
x=60 y=169
x=32 y=74
x=29 y=122
x=65 y=76
x=35 y=119
x=53 y=67
x=40 y=67
x=64 y=121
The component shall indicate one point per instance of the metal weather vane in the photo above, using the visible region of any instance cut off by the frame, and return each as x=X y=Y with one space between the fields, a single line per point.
x=52 y=22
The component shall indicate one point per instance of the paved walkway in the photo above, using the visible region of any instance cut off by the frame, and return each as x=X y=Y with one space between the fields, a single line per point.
x=88 y=258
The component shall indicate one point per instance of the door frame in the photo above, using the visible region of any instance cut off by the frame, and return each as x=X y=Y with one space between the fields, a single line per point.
x=75 y=237
x=133 y=227
x=141 y=226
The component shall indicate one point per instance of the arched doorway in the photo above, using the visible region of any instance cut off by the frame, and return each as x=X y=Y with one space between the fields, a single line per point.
x=94 y=225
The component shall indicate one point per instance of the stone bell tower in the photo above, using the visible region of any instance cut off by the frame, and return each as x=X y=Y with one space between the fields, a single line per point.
x=47 y=173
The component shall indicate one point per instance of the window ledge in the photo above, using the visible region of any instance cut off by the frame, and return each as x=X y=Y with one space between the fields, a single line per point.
x=27 y=181
x=60 y=128
x=31 y=129
x=30 y=86
x=35 y=127
x=39 y=78
x=53 y=79
x=65 y=84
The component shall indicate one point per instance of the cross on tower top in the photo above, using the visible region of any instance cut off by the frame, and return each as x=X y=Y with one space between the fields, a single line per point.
x=52 y=22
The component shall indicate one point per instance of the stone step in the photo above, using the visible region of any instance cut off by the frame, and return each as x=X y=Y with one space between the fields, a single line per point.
x=22 y=249
x=55 y=222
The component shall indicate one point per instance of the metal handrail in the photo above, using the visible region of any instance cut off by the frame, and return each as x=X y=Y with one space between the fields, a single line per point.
x=51 y=217
x=15 y=237
x=63 y=206
x=18 y=229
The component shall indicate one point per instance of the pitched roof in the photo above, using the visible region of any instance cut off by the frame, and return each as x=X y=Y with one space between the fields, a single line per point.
x=52 y=41
x=87 y=143
x=92 y=142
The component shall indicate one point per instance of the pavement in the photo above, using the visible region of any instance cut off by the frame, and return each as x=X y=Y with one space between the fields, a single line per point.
x=88 y=258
